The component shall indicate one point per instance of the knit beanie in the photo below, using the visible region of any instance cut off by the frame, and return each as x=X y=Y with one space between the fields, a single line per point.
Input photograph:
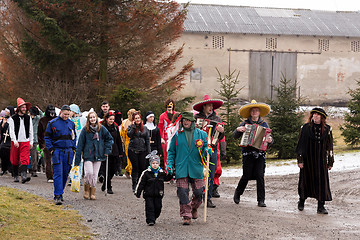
x=153 y=157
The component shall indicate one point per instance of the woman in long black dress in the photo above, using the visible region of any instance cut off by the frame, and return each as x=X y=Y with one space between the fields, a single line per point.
x=315 y=157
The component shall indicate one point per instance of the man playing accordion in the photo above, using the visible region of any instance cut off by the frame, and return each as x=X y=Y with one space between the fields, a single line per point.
x=253 y=159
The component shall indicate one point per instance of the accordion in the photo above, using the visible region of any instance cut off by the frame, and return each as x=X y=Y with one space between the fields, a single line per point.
x=254 y=136
x=203 y=125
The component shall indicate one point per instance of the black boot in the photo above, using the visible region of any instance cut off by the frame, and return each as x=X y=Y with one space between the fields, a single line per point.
x=237 y=196
x=23 y=173
x=210 y=204
x=215 y=192
x=16 y=173
x=301 y=204
x=321 y=209
x=134 y=178
x=261 y=203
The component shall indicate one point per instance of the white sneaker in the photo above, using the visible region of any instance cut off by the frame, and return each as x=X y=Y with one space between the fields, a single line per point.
x=50 y=181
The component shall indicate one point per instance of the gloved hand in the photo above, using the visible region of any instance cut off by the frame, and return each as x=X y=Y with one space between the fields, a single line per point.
x=170 y=170
x=210 y=151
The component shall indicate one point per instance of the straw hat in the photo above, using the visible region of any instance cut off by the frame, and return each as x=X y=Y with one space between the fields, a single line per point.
x=215 y=102
x=245 y=110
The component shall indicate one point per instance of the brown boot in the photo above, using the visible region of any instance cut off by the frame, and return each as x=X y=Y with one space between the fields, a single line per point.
x=92 y=193
x=194 y=213
x=186 y=221
x=86 y=191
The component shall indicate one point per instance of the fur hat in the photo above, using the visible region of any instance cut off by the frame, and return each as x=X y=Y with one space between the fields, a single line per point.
x=153 y=157
x=246 y=109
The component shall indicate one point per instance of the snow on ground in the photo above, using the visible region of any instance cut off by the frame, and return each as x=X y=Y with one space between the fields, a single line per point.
x=333 y=112
x=343 y=161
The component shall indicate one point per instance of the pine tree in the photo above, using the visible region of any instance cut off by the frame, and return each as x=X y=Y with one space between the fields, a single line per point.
x=229 y=92
x=285 y=121
x=65 y=47
x=351 y=128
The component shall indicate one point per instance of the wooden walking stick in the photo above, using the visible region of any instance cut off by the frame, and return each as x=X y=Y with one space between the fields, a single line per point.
x=207 y=171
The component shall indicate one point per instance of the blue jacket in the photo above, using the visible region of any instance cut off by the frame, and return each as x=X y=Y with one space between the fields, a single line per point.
x=187 y=161
x=93 y=149
x=60 y=134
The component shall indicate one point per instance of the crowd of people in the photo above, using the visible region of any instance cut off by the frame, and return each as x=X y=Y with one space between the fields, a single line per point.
x=190 y=145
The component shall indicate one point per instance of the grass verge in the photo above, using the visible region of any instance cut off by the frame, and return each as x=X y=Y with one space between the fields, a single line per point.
x=27 y=216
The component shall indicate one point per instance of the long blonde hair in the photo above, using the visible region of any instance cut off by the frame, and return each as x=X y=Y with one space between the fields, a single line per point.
x=87 y=125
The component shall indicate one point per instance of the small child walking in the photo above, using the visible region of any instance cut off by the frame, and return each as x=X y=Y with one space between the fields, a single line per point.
x=151 y=182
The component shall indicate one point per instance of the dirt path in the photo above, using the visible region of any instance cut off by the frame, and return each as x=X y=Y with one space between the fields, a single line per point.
x=121 y=216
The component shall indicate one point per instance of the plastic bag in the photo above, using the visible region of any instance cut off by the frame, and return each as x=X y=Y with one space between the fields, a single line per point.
x=75 y=179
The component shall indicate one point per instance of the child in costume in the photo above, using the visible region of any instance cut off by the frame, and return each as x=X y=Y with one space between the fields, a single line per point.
x=152 y=183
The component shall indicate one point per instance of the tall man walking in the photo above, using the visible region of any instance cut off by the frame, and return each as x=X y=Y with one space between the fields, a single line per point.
x=60 y=139
x=21 y=134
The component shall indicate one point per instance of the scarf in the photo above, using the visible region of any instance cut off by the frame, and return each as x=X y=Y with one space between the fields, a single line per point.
x=95 y=130
x=189 y=134
x=156 y=171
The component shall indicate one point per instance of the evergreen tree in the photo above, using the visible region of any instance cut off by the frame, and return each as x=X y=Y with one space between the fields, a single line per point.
x=80 y=50
x=229 y=92
x=285 y=121
x=351 y=128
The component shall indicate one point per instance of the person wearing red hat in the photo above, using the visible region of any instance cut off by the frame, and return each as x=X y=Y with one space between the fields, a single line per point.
x=315 y=158
x=21 y=134
x=206 y=112
x=164 y=121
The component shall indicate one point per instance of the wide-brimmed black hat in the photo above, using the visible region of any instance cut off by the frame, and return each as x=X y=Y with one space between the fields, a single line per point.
x=319 y=110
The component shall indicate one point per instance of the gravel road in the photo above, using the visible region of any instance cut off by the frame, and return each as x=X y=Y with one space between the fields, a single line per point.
x=121 y=215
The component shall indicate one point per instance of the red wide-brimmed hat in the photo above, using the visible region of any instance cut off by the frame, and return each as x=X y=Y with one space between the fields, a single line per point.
x=21 y=102
x=215 y=102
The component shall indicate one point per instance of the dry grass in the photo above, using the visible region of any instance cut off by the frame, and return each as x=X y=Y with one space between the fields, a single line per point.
x=27 y=216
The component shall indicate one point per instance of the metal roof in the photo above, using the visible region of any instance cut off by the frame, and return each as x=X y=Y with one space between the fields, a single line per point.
x=256 y=20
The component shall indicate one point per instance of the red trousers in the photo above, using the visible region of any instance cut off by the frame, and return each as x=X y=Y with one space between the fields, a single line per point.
x=218 y=171
x=21 y=154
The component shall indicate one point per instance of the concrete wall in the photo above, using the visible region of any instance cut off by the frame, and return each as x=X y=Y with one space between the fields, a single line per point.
x=323 y=77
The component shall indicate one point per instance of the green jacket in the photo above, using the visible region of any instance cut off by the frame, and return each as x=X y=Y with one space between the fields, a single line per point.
x=187 y=161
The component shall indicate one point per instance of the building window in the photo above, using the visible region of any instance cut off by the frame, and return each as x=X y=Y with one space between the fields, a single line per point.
x=271 y=43
x=355 y=46
x=218 y=42
x=324 y=45
x=195 y=74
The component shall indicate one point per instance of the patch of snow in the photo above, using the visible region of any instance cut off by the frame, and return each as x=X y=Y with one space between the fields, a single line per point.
x=333 y=112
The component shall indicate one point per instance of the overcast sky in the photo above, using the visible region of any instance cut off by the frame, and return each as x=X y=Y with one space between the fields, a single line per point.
x=330 y=5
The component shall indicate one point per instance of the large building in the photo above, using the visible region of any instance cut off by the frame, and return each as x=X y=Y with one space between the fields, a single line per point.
x=318 y=50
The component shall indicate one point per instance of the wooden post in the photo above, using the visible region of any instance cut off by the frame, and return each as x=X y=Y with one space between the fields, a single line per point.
x=207 y=172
